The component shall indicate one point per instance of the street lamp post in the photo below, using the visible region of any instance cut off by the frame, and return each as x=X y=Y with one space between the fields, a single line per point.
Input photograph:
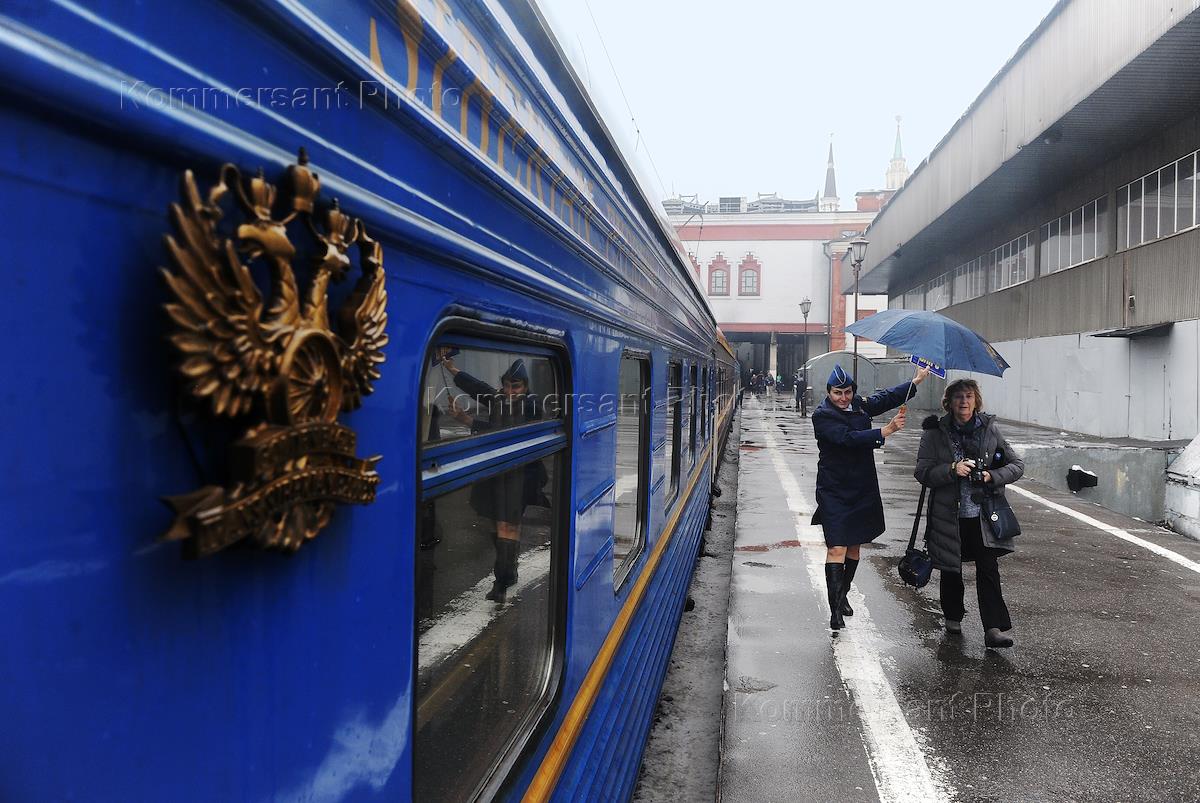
x=858 y=252
x=805 y=307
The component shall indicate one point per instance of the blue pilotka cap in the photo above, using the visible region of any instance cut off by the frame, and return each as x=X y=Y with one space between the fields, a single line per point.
x=840 y=379
x=516 y=373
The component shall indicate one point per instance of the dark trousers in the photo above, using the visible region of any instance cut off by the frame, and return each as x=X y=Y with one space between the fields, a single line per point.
x=992 y=609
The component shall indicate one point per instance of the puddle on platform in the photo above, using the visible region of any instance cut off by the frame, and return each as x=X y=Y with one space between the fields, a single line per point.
x=768 y=547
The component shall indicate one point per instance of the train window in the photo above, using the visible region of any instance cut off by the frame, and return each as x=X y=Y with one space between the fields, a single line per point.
x=694 y=411
x=633 y=425
x=470 y=390
x=490 y=547
x=484 y=622
x=704 y=433
x=674 y=424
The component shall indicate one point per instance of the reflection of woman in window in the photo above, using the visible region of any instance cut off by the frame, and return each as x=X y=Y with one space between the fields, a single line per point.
x=504 y=497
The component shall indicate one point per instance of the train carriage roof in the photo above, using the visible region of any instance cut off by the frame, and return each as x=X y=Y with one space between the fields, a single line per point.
x=571 y=100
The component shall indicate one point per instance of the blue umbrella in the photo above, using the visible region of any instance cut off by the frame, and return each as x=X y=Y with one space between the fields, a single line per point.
x=934 y=337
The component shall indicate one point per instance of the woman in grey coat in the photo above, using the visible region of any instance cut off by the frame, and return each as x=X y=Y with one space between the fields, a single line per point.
x=963 y=456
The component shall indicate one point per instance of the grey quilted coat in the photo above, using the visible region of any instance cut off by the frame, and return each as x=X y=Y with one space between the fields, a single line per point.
x=933 y=470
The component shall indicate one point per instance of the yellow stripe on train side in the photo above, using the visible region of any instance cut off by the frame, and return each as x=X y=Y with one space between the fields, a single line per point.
x=552 y=765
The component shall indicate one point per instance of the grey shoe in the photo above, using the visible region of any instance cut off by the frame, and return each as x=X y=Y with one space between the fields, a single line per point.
x=994 y=637
x=953 y=626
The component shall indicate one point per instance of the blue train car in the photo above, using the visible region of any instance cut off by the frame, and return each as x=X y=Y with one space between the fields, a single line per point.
x=366 y=294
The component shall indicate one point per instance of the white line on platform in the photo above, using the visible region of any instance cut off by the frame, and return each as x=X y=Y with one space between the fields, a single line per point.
x=1111 y=530
x=897 y=763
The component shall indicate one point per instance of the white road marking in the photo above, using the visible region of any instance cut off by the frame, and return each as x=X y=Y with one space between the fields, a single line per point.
x=1175 y=557
x=469 y=614
x=897 y=762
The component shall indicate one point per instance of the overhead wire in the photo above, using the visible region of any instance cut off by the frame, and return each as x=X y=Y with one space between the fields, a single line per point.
x=628 y=106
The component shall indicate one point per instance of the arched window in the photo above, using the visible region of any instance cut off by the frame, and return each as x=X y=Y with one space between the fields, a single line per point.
x=749 y=282
x=749 y=276
x=718 y=283
x=718 y=276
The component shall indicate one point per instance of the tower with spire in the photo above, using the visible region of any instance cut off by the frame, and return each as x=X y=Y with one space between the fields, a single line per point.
x=829 y=198
x=897 y=172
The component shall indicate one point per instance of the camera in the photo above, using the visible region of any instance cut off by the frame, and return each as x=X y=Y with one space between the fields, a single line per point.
x=976 y=476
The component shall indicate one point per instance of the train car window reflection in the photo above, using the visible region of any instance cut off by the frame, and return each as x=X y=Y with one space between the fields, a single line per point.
x=674 y=424
x=485 y=618
x=633 y=417
x=693 y=412
x=470 y=391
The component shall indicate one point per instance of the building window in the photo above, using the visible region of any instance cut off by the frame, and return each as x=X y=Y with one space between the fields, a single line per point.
x=633 y=430
x=693 y=412
x=718 y=282
x=1011 y=263
x=718 y=275
x=1076 y=237
x=489 y=532
x=1158 y=204
x=915 y=297
x=749 y=277
x=968 y=281
x=938 y=294
x=674 y=425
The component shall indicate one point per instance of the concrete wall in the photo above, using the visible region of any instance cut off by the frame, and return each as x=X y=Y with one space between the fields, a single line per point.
x=1130 y=478
x=1146 y=388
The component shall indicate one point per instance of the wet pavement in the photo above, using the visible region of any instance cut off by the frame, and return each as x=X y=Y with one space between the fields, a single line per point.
x=1098 y=700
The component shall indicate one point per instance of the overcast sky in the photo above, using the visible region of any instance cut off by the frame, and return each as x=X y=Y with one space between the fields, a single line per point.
x=738 y=98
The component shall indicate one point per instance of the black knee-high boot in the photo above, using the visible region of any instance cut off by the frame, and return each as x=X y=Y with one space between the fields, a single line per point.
x=851 y=568
x=835 y=574
x=505 y=568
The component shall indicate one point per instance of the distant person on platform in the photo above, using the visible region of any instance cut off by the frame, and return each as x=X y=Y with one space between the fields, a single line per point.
x=801 y=388
x=848 y=503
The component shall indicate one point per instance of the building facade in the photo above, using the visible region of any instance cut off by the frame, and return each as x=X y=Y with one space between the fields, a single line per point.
x=757 y=260
x=1059 y=219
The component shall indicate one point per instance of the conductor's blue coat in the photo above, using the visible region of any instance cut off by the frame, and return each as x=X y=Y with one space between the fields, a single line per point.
x=848 y=503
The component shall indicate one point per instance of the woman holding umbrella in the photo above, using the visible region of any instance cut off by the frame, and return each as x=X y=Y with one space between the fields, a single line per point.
x=963 y=458
x=848 y=503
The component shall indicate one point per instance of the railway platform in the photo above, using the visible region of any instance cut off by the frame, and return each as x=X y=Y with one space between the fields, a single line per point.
x=1097 y=699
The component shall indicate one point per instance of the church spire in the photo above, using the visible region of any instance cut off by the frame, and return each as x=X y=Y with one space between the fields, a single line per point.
x=829 y=198
x=897 y=172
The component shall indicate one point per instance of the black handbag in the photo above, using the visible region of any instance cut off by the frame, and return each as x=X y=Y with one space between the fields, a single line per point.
x=916 y=567
x=1000 y=517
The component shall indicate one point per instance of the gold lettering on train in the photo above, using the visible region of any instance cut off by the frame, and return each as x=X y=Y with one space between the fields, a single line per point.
x=376 y=57
x=439 y=70
x=491 y=84
x=412 y=29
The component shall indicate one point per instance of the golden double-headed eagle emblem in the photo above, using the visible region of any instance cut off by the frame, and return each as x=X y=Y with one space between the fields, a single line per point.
x=278 y=363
